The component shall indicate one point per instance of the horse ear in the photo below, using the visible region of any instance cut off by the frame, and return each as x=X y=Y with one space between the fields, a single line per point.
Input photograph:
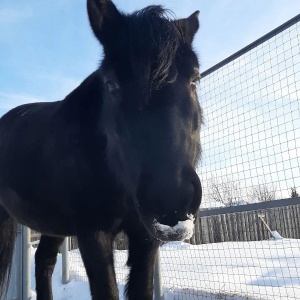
x=104 y=19
x=189 y=26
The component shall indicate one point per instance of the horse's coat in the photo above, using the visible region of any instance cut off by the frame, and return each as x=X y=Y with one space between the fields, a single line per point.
x=118 y=153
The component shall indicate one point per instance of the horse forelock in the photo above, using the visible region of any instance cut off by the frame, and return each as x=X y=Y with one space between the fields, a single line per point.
x=154 y=39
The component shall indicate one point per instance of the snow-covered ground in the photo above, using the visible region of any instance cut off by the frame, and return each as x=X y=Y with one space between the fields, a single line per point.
x=233 y=270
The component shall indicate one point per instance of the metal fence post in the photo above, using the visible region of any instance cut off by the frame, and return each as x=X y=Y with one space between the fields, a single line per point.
x=158 y=290
x=15 y=285
x=65 y=261
x=26 y=284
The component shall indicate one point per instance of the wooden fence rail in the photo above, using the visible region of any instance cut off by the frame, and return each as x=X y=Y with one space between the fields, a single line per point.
x=248 y=225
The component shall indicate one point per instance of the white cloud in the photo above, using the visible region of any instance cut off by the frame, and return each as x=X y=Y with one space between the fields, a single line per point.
x=9 y=15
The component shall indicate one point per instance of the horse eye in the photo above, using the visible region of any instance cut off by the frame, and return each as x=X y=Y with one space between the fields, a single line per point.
x=196 y=77
x=112 y=85
x=195 y=80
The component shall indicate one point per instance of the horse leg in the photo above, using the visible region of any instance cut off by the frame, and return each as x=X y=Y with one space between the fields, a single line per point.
x=97 y=255
x=7 y=243
x=141 y=259
x=45 y=260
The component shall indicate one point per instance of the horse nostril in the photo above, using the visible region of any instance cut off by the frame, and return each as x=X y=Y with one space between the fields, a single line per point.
x=192 y=190
x=194 y=206
x=187 y=196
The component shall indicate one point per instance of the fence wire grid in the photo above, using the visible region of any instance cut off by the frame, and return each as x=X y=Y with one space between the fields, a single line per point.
x=244 y=255
x=251 y=153
x=250 y=140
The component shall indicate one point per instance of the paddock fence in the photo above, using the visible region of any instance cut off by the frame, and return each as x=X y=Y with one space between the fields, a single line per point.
x=251 y=156
x=270 y=229
x=249 y=225
x=227 y=238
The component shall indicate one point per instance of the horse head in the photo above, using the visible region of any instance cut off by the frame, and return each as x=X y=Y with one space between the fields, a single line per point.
x=150 y=115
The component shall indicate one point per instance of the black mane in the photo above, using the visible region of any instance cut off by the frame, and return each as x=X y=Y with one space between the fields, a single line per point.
x=156 y=37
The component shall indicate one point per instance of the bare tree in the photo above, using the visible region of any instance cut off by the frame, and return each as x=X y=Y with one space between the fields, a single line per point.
x=262 y=193
x=294 y=193
x=225 y=191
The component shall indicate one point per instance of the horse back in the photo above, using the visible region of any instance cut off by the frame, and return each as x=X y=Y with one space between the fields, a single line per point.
x=39 y=136
x=52 y=163
x=24 y=131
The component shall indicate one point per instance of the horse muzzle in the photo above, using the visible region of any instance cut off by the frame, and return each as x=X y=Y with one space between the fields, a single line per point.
x=183 y=230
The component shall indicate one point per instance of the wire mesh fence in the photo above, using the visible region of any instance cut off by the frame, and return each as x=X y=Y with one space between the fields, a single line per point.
x=244 y=255
x=251 y=145
x=77 y=271
x=251 y=153
x=232 y=270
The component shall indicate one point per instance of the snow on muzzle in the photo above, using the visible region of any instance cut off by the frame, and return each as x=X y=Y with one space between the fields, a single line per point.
x=181 y=231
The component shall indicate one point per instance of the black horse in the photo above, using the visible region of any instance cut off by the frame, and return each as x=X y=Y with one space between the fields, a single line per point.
x=118 y=153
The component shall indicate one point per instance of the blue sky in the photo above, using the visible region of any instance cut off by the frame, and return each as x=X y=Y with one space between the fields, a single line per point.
x=47 y=48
